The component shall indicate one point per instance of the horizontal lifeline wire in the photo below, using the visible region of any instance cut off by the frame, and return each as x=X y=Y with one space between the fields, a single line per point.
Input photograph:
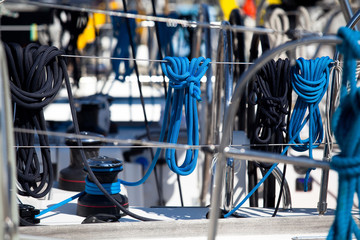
x=163 y=146
x=147 y=60
x=127 y=143
x=173 y=21
x=161 y=61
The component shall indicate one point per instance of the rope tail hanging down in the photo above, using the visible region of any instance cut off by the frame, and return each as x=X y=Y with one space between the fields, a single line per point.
x=346 y=122
x=184 y=79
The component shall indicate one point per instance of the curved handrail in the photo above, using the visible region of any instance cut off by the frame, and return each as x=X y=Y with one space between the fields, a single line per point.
x=224 y=86
x=224 y=77
x=351 y=24
x=230 y=114
x=322 y=204
x=205 y=136
x=9 y=217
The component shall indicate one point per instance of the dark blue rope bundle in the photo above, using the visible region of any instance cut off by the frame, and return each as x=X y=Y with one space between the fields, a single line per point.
x=346 y=122
x=310 y=81
x=270 y=93
x=121 y=49
x=184 y=77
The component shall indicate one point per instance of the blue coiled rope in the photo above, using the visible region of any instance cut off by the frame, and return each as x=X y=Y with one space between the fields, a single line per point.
x=310 y=87
x=112 y=188
x=309 y=79
x=346 y=122
x=184 y=79
x=90 y=188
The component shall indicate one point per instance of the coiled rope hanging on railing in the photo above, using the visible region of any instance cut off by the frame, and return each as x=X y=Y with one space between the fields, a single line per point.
x=346 y=122
x=271 y=93
x=35 y=78
x=184 y=79
x=297 y=120
x=309 y=79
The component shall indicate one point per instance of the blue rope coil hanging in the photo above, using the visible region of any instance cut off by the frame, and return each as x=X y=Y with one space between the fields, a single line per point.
x=309 y=79
x=346 y=122
x=184 y=79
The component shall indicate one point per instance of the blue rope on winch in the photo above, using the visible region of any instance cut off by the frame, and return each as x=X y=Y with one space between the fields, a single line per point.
x=346 y=122
x=309 y=79
x=184 y=79
x=92 y=188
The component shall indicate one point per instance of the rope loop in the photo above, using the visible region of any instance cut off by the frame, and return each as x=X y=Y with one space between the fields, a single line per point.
x=183 y=74
x=34 y=75
x=310 y=79
x=347 y=167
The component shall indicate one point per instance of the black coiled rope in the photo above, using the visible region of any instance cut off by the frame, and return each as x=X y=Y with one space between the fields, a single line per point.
x=36 y=75
x=35 y=79
x=271 y=92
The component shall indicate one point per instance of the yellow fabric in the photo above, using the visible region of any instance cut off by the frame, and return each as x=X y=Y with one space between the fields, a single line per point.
x=88 y=35
x=227 y=6
x=274 y=2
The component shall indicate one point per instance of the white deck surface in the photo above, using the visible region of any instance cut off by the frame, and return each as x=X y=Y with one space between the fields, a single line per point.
x=179 y=223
